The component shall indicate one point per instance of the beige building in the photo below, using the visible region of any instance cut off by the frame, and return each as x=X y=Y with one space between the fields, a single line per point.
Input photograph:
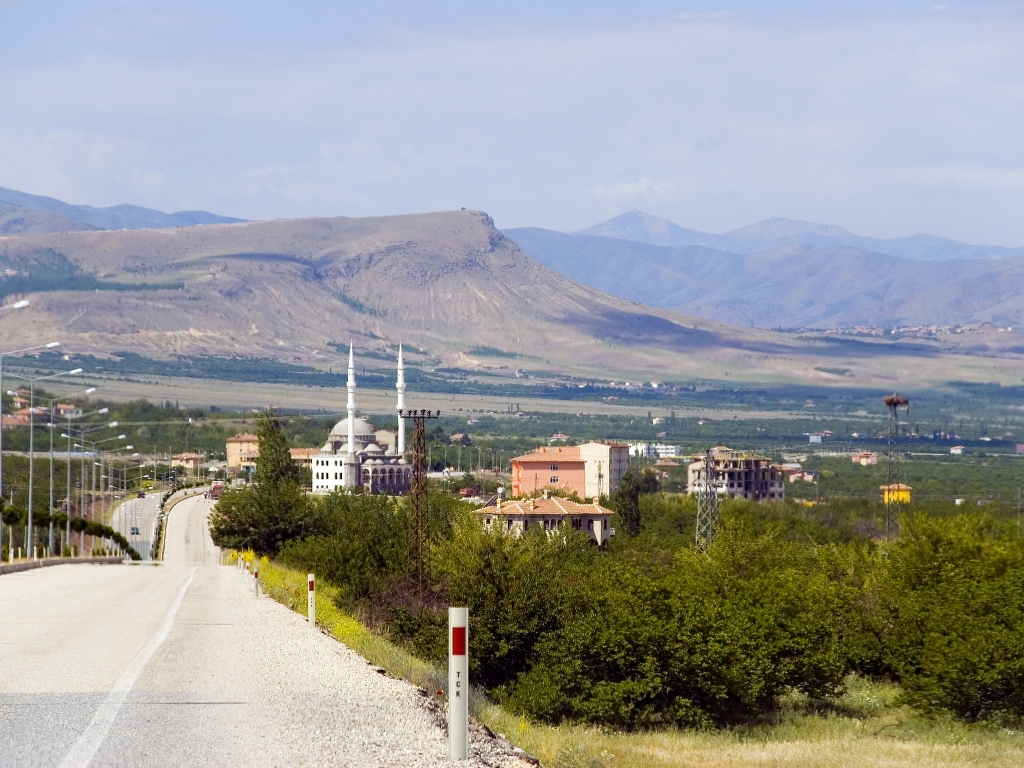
x=550 y=513
x=739 y=475
x=242 y=451
x=190 y=461
x=303 y=457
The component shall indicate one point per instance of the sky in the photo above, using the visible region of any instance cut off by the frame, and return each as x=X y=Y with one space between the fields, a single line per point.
x=889 y=119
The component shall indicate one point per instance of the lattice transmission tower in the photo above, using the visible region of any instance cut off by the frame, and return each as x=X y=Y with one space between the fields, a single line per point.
x=708 y=517
x=418 y=494
x=894 y=403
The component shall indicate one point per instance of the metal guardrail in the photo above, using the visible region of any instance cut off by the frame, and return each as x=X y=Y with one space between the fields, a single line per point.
x=28 y=565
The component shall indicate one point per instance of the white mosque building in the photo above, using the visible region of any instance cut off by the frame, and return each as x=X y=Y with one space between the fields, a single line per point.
x=354 y=457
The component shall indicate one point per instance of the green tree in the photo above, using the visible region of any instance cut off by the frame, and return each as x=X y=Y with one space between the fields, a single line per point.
x=274 y=465
x=952 y=610
x=626 y=498
x=273 y=509
x=516 y=588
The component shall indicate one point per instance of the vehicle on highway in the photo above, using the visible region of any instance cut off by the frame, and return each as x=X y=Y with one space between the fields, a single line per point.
x=215 y=490
x=135 y=530
x=141 y=494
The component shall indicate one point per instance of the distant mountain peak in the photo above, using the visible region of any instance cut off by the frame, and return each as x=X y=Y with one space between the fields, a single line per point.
x=643 y=227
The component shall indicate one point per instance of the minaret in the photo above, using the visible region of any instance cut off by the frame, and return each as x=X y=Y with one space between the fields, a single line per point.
x=349 y=477
x=400 y=386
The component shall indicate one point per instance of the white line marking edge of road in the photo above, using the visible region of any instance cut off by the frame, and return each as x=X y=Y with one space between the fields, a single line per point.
x=92 y=737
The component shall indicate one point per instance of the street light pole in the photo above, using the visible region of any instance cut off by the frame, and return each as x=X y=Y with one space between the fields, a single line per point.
x=31 y=446
x=13 y=352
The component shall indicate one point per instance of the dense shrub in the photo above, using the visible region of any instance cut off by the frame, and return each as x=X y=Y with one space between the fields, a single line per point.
x=714 y=641
x=651 y=632
x=952 y=604
x=363 y=547
x=516 y=588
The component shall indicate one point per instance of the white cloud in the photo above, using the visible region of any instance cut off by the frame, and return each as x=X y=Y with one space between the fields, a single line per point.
x=886 y=124
x=628 y=190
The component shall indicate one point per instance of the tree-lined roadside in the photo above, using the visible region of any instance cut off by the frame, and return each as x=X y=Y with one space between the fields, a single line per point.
x=652 y=634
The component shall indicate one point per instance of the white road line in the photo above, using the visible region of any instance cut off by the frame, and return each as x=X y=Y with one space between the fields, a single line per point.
x=85 y=748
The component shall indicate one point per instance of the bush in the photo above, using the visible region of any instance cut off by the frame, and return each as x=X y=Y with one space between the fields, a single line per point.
x=713 y=642
x=516 y=588
x=262 y=517
x=952 y=603
x=365 y=549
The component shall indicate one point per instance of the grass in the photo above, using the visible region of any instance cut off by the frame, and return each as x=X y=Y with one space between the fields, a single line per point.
x=866 y=727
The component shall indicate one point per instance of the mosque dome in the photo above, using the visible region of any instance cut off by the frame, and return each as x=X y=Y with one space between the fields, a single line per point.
x=365 y=432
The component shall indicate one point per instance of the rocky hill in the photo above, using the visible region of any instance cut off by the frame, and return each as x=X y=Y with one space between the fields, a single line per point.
x=447 y=284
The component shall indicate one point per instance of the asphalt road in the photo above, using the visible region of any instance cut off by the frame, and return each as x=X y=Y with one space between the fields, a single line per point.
x=141 y=514
x=180 y=664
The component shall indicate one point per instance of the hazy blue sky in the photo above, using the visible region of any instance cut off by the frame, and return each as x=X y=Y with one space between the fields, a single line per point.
x=886 y=118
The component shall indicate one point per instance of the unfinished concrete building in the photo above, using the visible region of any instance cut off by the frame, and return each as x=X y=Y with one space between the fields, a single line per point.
x=739 y=475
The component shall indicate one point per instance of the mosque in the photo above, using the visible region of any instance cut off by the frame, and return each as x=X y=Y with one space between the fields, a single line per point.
x=354 y=457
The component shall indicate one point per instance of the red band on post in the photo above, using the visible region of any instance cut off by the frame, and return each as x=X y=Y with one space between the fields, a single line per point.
x=458 y=641
x=311 y=586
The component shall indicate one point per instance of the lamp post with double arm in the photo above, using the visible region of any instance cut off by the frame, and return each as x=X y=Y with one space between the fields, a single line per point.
x=51 y=345
x=50 y=402
x=68 y=435
x=92 y=444
x=31 y=443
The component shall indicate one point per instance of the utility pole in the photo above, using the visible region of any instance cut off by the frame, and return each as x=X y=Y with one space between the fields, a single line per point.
x=708 y=517
x=894 y=402
x=418 y=492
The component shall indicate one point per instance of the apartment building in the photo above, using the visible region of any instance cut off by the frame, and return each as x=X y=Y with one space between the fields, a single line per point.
x=589 y=470
x=739 y=474
x=242 y=451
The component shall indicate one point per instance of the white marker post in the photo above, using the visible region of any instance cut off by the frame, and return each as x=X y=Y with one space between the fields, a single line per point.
x=256 y=578
x=311 y=601
x=458 y=683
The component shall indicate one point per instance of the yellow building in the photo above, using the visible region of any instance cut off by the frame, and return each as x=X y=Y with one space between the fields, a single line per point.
x=897 y=493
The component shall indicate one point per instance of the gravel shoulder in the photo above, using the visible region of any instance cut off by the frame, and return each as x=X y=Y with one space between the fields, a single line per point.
x=236 y=679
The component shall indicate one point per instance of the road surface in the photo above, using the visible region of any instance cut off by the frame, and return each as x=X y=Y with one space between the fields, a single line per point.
x=141 y=514
x=180 y=664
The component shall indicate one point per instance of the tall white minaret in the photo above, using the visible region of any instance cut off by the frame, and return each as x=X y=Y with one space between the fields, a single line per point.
x=400 y=386
x=349 y=468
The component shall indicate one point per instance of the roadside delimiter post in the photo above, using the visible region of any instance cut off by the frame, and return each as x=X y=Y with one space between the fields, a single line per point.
x=458 y=682
x=256 y=577
x=311 y=601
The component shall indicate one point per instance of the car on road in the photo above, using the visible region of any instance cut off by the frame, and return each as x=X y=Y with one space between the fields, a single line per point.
x=141 y=494
x=135 y=530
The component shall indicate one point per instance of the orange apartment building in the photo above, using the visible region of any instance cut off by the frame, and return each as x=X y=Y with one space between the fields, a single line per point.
x=589 y=470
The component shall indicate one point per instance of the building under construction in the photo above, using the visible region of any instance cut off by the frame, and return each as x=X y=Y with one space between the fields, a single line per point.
x=739 y=475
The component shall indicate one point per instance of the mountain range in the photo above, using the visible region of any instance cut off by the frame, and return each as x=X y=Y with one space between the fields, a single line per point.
x=21 y=212
x=454 y=289
x=778 y=232
x=789 y=274
x=464 y=296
